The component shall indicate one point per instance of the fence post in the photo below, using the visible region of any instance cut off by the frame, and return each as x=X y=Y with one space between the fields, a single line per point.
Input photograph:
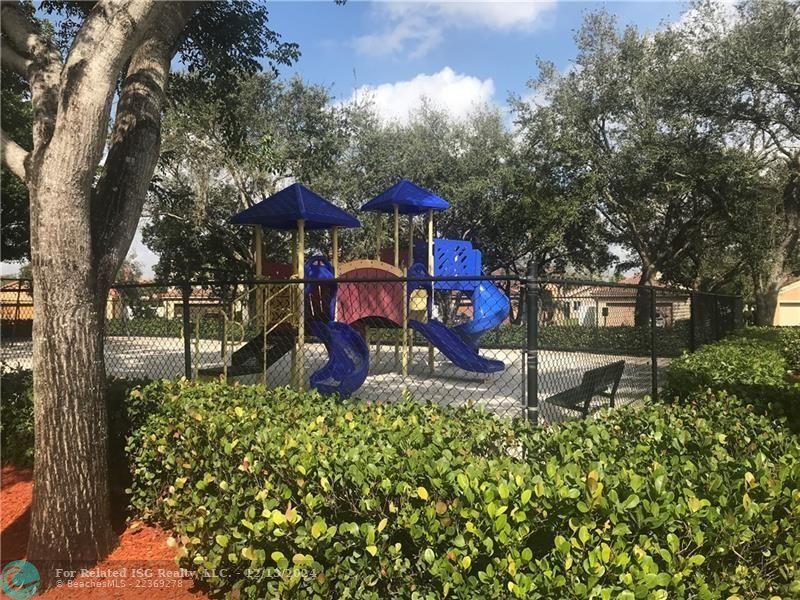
x=692 y=320
x=653 y=353
x=532 y=347
x=186 y=291
x=738 y=313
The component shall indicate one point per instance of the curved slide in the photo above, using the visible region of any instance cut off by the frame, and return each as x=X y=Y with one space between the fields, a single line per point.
x=490 y=307
x=459 y=352
x=348 y=359
x=348 y=354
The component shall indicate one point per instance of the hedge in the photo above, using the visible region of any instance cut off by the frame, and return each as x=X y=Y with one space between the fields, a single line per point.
x=623 y=340
x=16 y=417
x=753 y=365
x=293 y=495
x=210 y=328
x=790 y=347
x=16 y=422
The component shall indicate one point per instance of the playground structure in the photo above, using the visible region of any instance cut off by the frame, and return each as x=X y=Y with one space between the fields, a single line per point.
x=344 y=305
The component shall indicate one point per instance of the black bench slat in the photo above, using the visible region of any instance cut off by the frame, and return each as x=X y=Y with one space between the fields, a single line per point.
x=600 y=381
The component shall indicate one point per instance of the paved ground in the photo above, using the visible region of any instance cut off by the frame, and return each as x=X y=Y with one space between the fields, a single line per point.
x=502 y=393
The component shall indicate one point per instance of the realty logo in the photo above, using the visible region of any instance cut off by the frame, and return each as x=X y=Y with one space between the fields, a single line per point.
x=20 y=580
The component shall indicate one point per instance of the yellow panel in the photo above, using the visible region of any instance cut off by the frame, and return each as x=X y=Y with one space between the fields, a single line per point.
x=789 y=313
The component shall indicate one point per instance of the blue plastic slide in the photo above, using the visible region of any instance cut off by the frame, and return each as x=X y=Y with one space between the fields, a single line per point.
x=459 y=352
x=348 y=359
x=490 y=307
x=348 y=354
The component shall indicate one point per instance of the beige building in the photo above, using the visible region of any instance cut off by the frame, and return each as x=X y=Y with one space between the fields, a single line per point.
x=616 y=306
x=788 y=311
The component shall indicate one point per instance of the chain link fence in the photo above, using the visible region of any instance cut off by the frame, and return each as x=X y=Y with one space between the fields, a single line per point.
x=546 y=349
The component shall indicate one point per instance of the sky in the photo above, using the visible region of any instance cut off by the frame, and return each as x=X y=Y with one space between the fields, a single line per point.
x=456 y=54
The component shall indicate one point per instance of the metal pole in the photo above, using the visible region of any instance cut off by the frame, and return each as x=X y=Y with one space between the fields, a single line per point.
x=259 y=268
x=301 y=321
x=532 y=349
x=397 y=360
x=186 y=291
x=653 y=354
x=196 y=364
x=404 y=336
x=410 y=259
x=692 y=321
x=396 y=235
x=430 y=272
x=335 y=250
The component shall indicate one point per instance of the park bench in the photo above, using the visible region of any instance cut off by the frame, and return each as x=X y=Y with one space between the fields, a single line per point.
x=600 y=381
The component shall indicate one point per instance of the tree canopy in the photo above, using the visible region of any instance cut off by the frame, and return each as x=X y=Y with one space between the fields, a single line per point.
x=678 y=138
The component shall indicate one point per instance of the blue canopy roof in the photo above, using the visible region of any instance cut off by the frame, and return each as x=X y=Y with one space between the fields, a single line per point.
x=409 y=198
x=283 y=209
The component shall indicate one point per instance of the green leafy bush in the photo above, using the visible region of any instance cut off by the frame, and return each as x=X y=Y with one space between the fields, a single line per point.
x=127 y=410
x=736 y=365
x=700 y=500
x=752 y=366
x=293 y=495
x=16 y=417
x=622 y=340
x=790 y=347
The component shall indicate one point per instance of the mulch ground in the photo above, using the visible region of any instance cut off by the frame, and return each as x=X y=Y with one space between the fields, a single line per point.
x=141 y=567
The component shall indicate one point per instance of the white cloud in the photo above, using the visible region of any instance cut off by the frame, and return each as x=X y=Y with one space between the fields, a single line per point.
x=412 y=32
x=708 y=20
x=447 y=90
x=416 y=27
x=520 y=15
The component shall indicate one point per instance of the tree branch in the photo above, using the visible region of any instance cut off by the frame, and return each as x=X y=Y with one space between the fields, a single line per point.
x=135 y=140
x=14 y=157
x=43 y=72
x=13 y=60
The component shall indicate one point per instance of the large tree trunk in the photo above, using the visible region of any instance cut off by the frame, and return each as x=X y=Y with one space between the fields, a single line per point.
x=767 y=283
x=641 y=316
x=71 y=513
x=71 y=522
x=80 y=233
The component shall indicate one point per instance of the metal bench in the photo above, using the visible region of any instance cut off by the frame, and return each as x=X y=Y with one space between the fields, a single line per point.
x=601 y=381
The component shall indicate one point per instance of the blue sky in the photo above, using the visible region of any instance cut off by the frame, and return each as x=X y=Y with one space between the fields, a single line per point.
x=489 y=48
x=456 y=54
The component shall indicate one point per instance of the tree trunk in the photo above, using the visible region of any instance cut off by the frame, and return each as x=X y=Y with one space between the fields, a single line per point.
x=71 y=514
x=766 y=286
x=79 y=237
x=643 y=296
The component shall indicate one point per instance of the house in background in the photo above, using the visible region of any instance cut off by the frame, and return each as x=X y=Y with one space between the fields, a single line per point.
x=788 y=311
x=616 y=306
x=16 y=310
x=169 y=303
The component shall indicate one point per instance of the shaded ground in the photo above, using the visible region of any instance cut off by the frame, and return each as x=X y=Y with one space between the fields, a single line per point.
x=140 y=567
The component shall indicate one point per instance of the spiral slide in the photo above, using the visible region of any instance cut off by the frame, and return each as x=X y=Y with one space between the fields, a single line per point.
x=348 y=359
x=490 y=307
x=348 y=354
